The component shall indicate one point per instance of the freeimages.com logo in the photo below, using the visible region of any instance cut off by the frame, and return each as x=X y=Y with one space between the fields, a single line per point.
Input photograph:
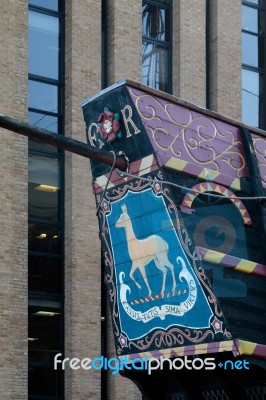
x=148 y=364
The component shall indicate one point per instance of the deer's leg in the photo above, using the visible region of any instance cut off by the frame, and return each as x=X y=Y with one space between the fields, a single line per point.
x=161 y=267
x=133 y=269
x=144 y=276
x=167 y=263
x=171 y=267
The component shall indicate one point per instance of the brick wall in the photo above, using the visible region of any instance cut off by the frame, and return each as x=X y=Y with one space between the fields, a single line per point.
x=124 y=40
x=189 y=57
x=13 y=204
x=82 y=246
x=225 y=57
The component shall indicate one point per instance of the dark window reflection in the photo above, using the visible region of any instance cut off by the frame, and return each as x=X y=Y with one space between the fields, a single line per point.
x=155 y=66
x=43 y=96
x=155 y=22
x=43 y=45
x=156 y=44
x=50 y=4
x=45 y=274
x=43 y=188
x=45 y=239
x=45 y=381
x=44 y=331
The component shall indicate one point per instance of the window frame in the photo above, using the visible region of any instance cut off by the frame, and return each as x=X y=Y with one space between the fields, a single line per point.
x=168 y=45
x=260 y=7
x=42 y=295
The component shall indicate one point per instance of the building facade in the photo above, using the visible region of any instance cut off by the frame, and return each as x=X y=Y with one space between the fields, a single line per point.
x=55 y=54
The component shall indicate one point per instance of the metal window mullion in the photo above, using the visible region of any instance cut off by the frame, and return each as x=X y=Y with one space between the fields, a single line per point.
x=40 y=111
x=47 y=255
x=158 y=4
x=252 y=33
x=252 y=68
x=161 y=43
x=43 y=79
x=252 y=5
x=47 y=11
x=263 y=108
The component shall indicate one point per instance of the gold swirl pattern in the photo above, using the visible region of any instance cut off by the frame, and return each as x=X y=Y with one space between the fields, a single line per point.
x=176 y=131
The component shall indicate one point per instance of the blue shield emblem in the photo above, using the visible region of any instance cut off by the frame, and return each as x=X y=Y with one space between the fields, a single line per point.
x=156 y=285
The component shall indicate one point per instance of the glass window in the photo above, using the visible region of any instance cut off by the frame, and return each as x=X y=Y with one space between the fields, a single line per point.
x=250 y=49
x=43 y=96
x=253 y=59
x=156 y=44
x=50 y=4
x=45 y=239
x=45 y=274
x=250 y=97
x=44 y=330
x=43 y=187
x=155 y=22
x=43 y=45
x=155 y=66
x=43 y=121
x=45 y=382
x=250 y=19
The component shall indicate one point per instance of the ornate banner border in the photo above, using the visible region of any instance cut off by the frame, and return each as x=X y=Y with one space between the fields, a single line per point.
x=175 y=336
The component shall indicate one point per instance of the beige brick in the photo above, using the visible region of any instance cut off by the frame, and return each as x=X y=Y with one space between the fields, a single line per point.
x=13 y=205
x=225 y=58
x=82 y=246
x=124 y=40
x=189 y=65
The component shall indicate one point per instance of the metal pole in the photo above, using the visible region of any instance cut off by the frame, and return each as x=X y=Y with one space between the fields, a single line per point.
x=63 y=142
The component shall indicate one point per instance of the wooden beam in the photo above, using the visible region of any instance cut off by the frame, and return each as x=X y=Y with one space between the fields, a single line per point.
x=62 y=142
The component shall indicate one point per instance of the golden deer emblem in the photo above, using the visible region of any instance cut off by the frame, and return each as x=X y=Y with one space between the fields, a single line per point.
x=143 y=251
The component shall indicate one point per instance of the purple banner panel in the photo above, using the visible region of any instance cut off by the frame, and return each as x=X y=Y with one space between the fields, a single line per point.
x=197 y=139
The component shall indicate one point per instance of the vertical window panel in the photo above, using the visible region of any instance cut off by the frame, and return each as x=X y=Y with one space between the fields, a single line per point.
x=45 y=121
x=44 y=381
x=250 y=97
x=155 y=66
x=43 y=45
x=250 y=51
x=45 y=274
x=44 y=331
x=250 y=19
x=45 y=239
x=253 y=60
x=155 y=22
x=44 y=188
x=43 y=96
x=156 y=44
